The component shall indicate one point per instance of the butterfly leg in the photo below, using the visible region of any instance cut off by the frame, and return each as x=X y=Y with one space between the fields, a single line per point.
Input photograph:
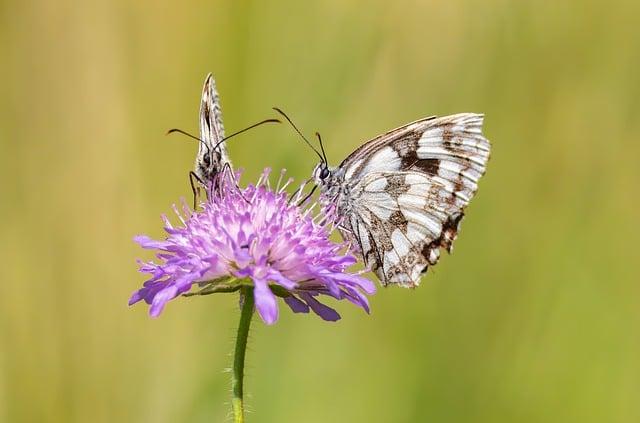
x=227 y=172
x=193 y=180
x=297 y=191
x=301 y=202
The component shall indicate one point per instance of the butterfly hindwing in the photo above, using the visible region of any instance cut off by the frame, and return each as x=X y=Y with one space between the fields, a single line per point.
x=400 y=221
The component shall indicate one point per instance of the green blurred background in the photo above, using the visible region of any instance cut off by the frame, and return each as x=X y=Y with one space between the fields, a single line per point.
x=534 y=318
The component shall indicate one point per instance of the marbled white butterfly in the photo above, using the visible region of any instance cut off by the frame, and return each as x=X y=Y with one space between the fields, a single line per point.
x=212 y=160
x=212 y=157
x=401 y=196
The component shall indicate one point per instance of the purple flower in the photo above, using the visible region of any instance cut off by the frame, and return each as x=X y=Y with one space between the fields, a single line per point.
x=252 y=236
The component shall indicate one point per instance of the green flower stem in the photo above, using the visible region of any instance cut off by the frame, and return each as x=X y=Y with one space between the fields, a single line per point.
x=246 y=312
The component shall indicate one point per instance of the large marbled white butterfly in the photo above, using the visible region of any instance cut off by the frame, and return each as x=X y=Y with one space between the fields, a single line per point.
x=401 y=196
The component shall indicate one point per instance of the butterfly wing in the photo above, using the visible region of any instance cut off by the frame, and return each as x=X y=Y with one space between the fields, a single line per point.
x=407 y=191
x=400 y=221
x=211 y=157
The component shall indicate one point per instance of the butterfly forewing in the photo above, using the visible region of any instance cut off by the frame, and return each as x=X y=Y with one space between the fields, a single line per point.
x=404 y=193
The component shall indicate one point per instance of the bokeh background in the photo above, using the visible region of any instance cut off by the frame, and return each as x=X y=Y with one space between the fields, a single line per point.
x=534 y=318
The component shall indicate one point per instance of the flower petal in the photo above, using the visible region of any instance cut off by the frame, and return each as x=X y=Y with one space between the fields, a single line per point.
x=296 y=305
x=265 y=301
x=161 y=299
x=277 y=277
x=354 y=280
x=325 y=312
x=357 y=298
x=148 y=243
x=135 y=297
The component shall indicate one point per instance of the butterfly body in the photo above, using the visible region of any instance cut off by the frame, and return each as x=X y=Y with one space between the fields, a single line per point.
x=400 y=197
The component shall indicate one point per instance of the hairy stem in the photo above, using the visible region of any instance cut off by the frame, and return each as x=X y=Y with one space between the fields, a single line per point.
x=246 y=312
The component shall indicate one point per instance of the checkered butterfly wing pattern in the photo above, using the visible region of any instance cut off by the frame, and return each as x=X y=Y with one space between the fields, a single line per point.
x=402 y=195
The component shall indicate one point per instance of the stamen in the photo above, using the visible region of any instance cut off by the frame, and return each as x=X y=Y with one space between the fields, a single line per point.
x=286 y=184
x=185 y=208
x=177 y=212
x=264 y=177
x=310 y=209
x=282 y=172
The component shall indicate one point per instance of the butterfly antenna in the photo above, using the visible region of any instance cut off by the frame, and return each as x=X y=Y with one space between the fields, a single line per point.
x=246 y=129
x=180 y=131
x=322 y=147
x=298 y=131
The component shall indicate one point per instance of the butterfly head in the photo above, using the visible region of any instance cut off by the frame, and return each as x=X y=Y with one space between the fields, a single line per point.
x=209 y=163
x=321 y=174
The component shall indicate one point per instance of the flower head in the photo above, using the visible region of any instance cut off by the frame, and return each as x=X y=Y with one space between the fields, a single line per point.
x=255 y=236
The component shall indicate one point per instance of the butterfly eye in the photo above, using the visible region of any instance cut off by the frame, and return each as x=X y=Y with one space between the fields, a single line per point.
x=207 y=160
x=324 y=173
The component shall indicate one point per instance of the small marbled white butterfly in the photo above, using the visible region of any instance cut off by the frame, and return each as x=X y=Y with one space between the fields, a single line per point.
x=212 y=159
